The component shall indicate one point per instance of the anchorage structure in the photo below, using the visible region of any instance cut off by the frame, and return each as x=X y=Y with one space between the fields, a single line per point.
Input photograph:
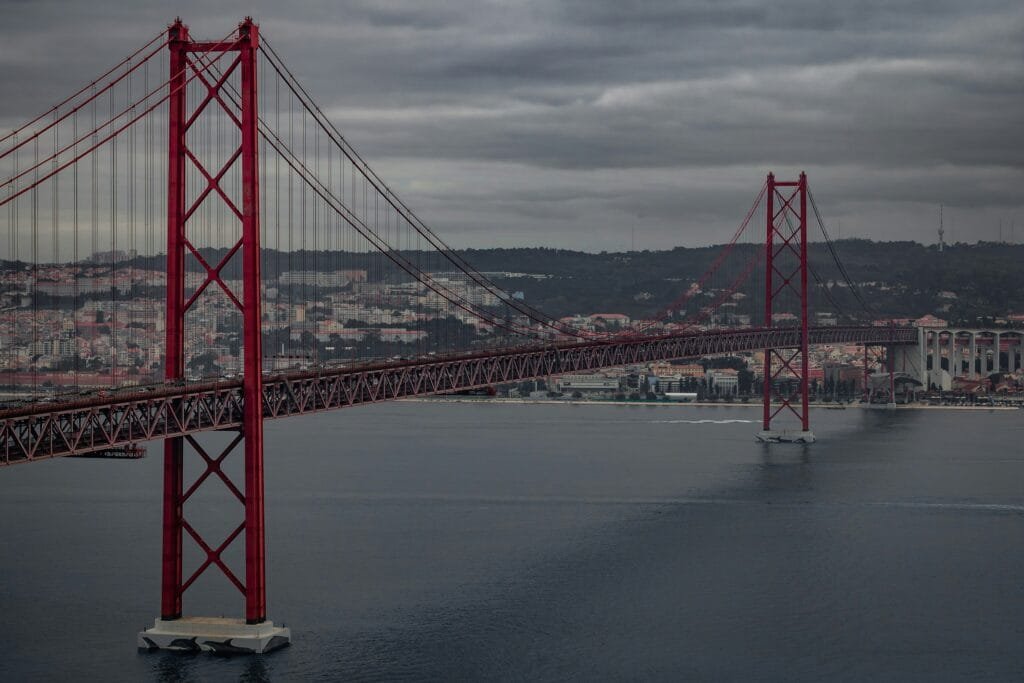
x=173 y=630
x=785 y=370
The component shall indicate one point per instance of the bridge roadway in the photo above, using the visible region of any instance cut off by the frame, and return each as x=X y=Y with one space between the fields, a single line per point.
x=47 y=430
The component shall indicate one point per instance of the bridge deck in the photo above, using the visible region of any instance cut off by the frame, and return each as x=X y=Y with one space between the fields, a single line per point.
x=50 y=430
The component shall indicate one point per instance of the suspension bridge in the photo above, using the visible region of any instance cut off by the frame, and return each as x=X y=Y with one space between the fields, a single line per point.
x=192 y=246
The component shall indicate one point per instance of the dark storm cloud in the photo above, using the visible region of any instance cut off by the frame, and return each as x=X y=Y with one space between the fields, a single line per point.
x=573 y=122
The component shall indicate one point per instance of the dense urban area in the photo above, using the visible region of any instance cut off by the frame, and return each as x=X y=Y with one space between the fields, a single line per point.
x=99 y=323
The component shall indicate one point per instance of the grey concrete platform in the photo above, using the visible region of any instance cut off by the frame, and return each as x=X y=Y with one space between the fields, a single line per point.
x=785 y=436
x=214 y=634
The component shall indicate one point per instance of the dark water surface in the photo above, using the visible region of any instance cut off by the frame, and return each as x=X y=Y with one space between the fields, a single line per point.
x=426 y=541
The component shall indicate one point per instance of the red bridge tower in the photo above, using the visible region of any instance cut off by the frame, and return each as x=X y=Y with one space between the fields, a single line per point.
x=785 y=370
x=173 y=630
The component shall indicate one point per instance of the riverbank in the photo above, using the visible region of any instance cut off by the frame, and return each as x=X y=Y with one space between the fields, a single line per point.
x=682 y=404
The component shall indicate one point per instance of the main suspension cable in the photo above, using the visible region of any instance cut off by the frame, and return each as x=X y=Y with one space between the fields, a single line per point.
x=95 y=132
x=854 y=288
x=338 y=206
x=68 y=99
x=417 y=224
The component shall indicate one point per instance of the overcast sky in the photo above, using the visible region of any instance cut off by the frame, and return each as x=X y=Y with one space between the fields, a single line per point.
x=572 y=123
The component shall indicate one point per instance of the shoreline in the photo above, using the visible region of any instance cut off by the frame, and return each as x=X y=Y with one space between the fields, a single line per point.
x=680 y=404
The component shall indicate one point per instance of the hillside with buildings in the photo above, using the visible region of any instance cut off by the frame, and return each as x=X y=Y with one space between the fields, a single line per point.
x=962 y=283
x=100 y=322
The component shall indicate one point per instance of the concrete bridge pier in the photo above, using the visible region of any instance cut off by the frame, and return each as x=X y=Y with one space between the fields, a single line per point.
x=973 y=367
x=996 y=338
x=982 y=349
x=912 y=360
x=955 y=363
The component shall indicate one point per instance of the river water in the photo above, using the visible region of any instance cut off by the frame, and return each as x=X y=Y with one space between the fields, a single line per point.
x=453 y=541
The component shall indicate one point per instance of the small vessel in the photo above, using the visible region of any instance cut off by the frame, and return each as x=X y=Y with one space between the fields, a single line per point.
x=785 y=436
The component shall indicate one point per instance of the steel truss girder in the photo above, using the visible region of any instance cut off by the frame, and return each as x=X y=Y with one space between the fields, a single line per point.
x=53 y=430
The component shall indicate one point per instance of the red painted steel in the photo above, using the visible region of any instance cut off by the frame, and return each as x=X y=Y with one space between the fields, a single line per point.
x=174 y=361
x=766 y=390
x=252 y=382
x=250 y=421
x=57 y=429
x=805 y=343
x=783 y=242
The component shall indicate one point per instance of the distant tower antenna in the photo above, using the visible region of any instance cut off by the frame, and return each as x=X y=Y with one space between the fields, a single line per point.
x=942 y=232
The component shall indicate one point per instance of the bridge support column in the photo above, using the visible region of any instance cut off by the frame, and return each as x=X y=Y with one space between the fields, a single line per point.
x=922 y=357
x=786 y=370
x=173 y=630
x=890 y=362
x=972 y=369
x=936 y=375
x=996 y=343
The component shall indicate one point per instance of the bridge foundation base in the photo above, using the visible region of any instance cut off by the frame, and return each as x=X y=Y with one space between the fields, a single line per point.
x=214 y=634
x=785 y=436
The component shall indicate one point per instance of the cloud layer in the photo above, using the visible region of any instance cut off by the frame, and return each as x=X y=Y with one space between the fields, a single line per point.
x=572 y=123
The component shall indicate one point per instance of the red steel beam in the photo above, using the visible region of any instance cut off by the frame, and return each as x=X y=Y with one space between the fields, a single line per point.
x=174 y=361
x=780 y=237
x=252 y=382
x=769 y=269
x=805 y=415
